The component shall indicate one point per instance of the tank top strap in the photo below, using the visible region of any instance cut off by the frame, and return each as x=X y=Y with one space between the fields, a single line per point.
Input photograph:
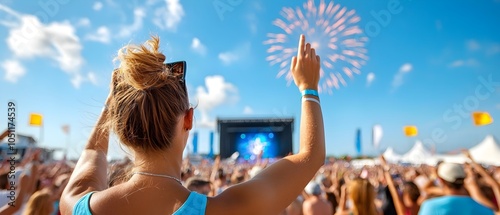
x=195 y=205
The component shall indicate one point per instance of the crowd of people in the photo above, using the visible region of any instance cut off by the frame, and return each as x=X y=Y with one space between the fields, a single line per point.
x=337 y=188
x=148 y=110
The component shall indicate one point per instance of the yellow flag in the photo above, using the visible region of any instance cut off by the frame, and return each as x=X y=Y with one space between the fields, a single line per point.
x=36 y=119
x=482 y=118
x=410 y=131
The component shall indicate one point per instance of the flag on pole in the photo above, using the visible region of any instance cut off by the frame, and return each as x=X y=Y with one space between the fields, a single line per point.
x=65 y=129
x=358 y=141
x=195 y=143
x=482 y=118
x=410 y=131
x=36 y=119
x=377 y=135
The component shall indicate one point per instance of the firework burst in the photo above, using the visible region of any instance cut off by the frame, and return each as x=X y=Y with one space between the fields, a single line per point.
x=332 y=30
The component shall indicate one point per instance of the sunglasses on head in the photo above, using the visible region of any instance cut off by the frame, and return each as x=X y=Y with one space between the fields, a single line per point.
x=178 y=68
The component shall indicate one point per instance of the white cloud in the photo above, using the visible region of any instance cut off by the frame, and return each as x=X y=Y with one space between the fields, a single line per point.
x=473 y=45
x=92 y=78
x=230 y=57
x=457 y=63
x=83 y=22
x=399 y=77
x=247 y=110
x=170 y=16
x=127 y=31
x=102 y=35
x=252 y=22
x=57 y=41
x=215 y=93
x=407 y=67
x=13 y=70
x=460 y=63
x=493 y=49
x=198 y=47
x=369 y=79
x=97 y=6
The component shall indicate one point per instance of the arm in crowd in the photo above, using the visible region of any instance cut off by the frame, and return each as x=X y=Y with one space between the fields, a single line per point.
x=215 y=169
x=26 y=184
x=474 y=188
x=398 y=203
x=343 y=200
x=4 y=134
x=279 y=184
x=429 y=188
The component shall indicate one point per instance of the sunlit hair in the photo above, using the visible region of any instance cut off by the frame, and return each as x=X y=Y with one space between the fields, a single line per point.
x=362 y=194
x=39 y=204
x=147 y=100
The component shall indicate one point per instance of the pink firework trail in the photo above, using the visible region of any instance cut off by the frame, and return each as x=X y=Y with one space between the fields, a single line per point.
x=332 y=30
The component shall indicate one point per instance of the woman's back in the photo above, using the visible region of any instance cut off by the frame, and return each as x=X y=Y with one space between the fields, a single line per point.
x=148 y=109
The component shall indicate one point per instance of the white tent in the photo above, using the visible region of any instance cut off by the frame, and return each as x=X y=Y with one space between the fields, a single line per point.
x=418 y=155
x=391 y=156
x=486 y=152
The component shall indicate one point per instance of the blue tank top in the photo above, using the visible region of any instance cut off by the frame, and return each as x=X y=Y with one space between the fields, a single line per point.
x=194 y=205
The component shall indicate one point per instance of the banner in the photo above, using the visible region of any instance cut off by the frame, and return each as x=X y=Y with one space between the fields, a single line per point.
x=358 y=141
x=211 y=150
x=36 y=119
x=410 y=131
x=377 y=134
x=482 y=118
x=195 y=143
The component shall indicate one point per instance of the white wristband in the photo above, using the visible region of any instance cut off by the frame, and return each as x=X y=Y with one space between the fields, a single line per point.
x=312 y=100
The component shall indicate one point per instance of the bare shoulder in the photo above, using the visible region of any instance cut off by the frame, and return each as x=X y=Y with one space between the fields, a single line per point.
x=239 y=200
x=126 y=199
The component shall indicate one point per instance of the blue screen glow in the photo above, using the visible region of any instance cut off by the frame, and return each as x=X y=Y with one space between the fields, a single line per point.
x=249 y=145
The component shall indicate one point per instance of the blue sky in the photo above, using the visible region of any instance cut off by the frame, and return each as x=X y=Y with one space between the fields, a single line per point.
x=425 y=61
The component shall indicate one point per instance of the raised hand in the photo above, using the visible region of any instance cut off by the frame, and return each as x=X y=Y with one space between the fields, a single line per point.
x=305 y=66
x=383 y=162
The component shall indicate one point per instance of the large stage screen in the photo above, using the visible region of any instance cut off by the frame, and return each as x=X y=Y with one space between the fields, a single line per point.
x=249 y=137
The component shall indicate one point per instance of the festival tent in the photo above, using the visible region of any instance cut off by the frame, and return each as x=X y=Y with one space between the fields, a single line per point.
x=391 y=156
x=418 y=155
x=486 y=152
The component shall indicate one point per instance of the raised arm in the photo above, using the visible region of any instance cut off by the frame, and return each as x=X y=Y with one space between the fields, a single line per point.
x=90 y=173
x=398 y=203
x=489 y=180
x=272 y=190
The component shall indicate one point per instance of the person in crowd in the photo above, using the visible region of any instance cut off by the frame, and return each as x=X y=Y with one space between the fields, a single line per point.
x=409 y=203
x=17 y=187
x=40 y=203
x=473 y=188
x=199 y=185
x=362 y=196
x=59 y=185
x=295 y=208
x=315 y=204
x=148 y=110
x=455 y=199
x=384 y=199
